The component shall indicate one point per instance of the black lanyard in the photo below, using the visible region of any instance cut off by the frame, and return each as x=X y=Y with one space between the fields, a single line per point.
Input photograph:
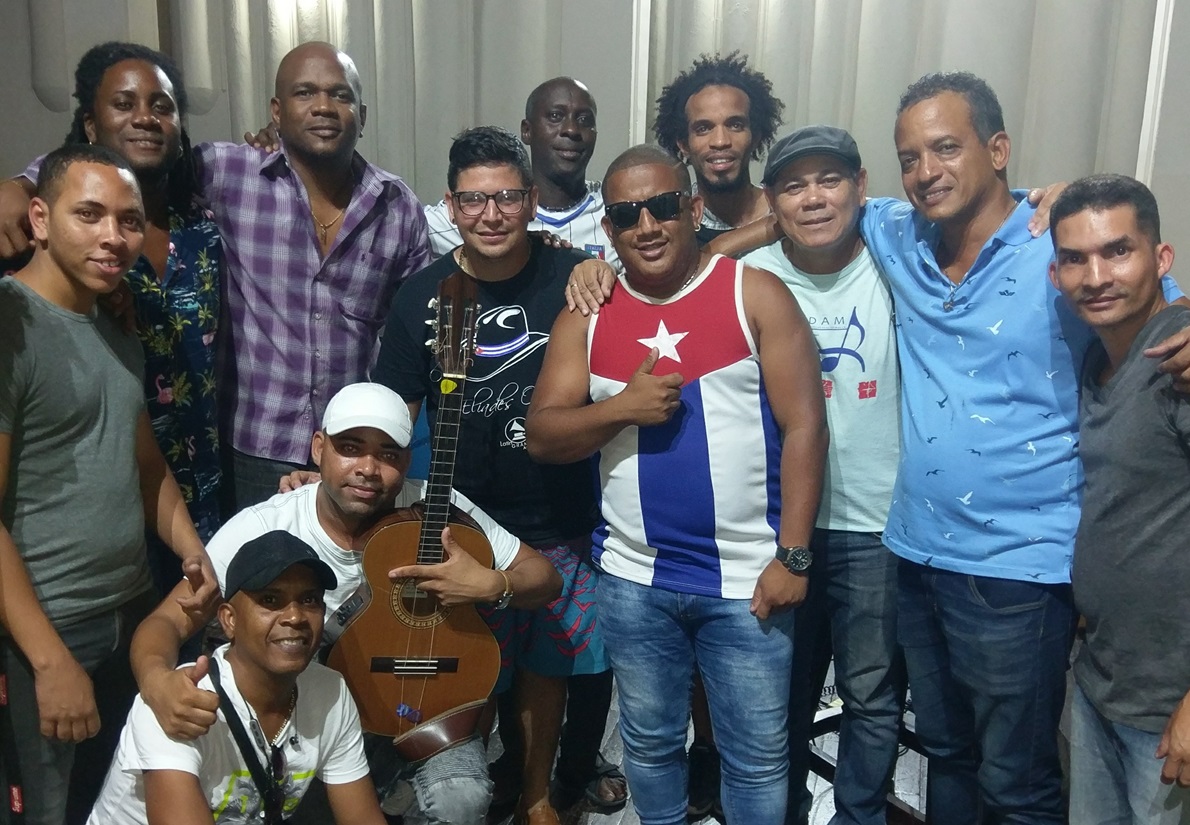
x=272 y=793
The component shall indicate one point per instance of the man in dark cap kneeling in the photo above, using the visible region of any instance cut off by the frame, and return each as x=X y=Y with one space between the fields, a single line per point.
x=282 y=719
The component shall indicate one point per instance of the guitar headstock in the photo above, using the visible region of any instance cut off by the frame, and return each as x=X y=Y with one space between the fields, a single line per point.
x=457 y=314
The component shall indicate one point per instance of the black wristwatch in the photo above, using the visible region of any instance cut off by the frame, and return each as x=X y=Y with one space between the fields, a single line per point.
x=795 y=559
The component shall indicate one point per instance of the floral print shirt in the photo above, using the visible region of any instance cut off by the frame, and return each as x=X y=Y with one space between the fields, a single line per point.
x=176 y=322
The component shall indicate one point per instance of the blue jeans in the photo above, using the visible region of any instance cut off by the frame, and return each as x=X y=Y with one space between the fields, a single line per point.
x=61 y=780
x=450 y=788
x=853 y=602
x=654 y=638
x=1114 y=777
x=987 y=673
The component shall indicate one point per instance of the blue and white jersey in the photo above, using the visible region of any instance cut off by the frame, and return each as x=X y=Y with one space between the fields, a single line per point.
x=692 y=505
x=580 y=226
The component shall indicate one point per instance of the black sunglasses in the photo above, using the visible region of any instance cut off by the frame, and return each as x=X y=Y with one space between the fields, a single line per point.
x=664 y=207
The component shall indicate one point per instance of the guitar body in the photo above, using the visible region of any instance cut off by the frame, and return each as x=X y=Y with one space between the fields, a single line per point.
x=419 y=672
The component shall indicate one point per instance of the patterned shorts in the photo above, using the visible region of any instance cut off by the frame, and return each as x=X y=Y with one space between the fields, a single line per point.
x=562 y=638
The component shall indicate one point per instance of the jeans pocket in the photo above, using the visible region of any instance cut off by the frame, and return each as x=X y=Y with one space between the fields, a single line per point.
x=1007 y=595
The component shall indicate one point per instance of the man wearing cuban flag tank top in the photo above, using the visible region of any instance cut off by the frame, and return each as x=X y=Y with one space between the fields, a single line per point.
x=697 y=388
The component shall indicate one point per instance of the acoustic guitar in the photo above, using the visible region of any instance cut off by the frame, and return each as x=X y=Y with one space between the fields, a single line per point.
x=421 y=673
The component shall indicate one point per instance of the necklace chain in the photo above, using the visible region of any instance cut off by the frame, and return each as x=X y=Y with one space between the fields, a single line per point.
x=323 y=228
x=288 y=715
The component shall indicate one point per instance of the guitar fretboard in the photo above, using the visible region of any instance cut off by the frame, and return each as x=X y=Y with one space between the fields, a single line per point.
x=442 y=469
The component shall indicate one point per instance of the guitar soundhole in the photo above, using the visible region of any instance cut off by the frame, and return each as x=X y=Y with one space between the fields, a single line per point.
x=414 y=607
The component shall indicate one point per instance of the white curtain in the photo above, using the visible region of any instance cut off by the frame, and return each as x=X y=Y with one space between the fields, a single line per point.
x=1070 y=74
x=430 y=68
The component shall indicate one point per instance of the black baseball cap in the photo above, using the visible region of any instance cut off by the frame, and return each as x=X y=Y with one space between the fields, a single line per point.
x=260 y=561
x=811 y=140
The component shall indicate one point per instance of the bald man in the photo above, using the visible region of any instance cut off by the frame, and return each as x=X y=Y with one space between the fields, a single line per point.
x=316 y=242
x=559 y=129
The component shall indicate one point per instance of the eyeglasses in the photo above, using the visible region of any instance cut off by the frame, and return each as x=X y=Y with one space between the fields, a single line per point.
x=664 y=207
x=508 y=201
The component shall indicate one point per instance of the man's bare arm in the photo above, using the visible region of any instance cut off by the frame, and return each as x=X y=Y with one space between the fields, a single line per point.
x=460 y=579
x=175 y=798
x=165 y=511
x=65 y=695
x=792 y=376
x=563 y=425
x=355 y=803
x=182 y=710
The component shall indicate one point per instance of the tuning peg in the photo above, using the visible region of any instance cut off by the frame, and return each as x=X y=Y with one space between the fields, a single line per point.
x=433 y=304
x=432 y=323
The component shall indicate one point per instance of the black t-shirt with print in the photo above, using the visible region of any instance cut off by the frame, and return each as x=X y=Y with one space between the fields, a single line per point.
x=536 y=502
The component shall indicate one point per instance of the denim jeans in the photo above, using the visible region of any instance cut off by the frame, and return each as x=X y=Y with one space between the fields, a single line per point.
x=1114 y=777
x=62 y=779
x=654 y=638
x=450 y=788
x=853 y=586
x=987 y=660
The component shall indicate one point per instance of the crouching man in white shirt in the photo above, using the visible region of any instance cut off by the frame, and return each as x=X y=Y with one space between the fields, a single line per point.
x=299 y=718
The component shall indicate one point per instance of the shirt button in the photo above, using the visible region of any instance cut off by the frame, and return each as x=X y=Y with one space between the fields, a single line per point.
x=317 y=316
x=314 y=392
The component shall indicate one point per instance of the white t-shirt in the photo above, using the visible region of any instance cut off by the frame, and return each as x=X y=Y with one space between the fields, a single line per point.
x=296 y=513
x=322 y=738
x=580 y=226
x=851 y=314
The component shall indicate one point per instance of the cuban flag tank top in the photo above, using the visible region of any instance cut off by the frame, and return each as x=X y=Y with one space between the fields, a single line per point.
x=692 y=505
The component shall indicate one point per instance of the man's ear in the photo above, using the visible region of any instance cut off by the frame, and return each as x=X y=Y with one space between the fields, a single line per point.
x=1054 y=275
x=39 y=218
x=526 y=132
x=275 y=112
x=861 y=184
x=683 y=151
x=1164 y=259
x=363 y=116
x=1000 y=145
x=450 y=205
x=227 y=620
x=696 y=206
x=316 y=444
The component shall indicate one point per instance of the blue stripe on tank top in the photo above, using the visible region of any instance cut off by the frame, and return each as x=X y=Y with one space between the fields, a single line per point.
x=772 y=453
x=677 y=500
x=599 y=534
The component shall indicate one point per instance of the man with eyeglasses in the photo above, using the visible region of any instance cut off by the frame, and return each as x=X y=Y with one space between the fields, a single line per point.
x=697 y=386
x=298 y=715
x=559 y=129
x=519 y=281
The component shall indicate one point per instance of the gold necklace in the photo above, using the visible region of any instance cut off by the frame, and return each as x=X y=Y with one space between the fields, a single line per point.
x=289 y=713
x=323 y=228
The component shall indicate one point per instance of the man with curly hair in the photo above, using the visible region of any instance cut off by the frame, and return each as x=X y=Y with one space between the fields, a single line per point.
x=717 y=116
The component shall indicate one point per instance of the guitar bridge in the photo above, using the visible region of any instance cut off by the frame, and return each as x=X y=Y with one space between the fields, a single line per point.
x=398 y=666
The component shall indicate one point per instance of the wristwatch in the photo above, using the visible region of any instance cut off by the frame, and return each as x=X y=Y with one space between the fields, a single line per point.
x=795 y=559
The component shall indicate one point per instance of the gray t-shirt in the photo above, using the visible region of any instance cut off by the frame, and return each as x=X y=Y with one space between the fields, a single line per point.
x=70 y=395
x=1131 y=572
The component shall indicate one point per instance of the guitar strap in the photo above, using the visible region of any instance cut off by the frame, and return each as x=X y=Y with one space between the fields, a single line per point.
x=264 y=783
x=333 y=629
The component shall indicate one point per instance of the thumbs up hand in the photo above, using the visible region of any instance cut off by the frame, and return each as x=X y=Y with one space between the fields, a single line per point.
x=183 y=709
x=651 y=399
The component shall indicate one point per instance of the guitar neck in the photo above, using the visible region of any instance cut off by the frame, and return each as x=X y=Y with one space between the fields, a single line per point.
x=442 y=469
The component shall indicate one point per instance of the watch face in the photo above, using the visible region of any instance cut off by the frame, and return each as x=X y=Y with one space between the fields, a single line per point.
x=797 y=559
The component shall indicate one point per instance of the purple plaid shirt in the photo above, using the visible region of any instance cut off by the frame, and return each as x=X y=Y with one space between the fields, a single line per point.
x=298 y=328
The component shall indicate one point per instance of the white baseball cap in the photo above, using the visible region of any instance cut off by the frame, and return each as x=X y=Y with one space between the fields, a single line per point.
x=369 y=405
